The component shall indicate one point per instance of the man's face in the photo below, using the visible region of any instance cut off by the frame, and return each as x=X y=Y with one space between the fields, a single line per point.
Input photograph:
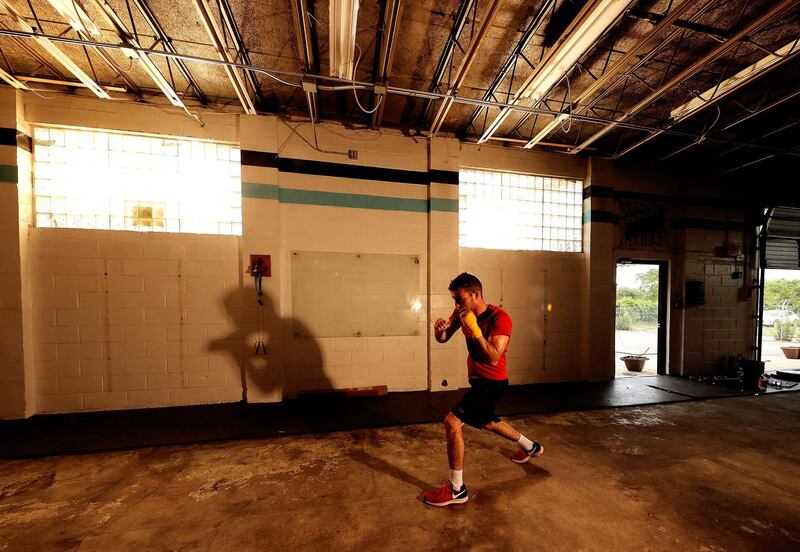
x=465 y=301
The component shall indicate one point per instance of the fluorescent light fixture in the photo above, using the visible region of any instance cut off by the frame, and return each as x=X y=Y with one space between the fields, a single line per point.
x=12 y=80
x=53 y=50
x=548 y=128
x=343 y=17
x=76 y=15
x=153 y=72
x=770 y=61
x=582 y=34
x=206 y=12
x=582 y=37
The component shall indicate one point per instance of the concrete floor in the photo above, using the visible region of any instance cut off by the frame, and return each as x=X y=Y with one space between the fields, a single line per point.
x=636 y=342
x=773 y=356
x=702 y=475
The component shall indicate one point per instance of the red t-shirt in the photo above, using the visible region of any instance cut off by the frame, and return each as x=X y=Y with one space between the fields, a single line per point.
x=493 y=321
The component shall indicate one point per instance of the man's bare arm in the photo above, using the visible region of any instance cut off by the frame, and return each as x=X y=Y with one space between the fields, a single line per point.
x=493 y=347
x=443 y=330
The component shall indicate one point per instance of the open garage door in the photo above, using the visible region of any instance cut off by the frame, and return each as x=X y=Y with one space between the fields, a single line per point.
x=782 y=247
x=779 y=309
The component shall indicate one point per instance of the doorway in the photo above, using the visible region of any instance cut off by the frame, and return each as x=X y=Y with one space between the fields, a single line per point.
x=640 y=319
x=780 y=319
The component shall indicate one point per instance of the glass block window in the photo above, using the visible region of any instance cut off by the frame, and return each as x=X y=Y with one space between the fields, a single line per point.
x=500 y=210
x=118 y=181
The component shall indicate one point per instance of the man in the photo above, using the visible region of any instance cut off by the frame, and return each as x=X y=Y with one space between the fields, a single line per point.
x=487 y=329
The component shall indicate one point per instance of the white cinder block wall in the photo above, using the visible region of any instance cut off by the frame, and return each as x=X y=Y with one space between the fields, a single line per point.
x=106 y=320
x=13 y=386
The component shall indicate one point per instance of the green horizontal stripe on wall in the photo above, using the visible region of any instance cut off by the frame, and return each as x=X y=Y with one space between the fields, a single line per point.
x=9 y=173
x=335 y=199
x=445 y=205
x=359 y=201
x=259 y=191
x=600 y=216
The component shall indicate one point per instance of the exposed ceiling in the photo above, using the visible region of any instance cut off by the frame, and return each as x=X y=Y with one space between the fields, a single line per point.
x=707 y=83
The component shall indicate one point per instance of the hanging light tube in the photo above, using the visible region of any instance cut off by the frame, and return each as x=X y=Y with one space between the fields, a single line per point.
x=715 y=93
x=582 y=34
x=343 y=17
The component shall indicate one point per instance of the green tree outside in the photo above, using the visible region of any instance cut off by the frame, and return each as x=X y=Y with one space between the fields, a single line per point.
x=776 y=291
x=637 y=308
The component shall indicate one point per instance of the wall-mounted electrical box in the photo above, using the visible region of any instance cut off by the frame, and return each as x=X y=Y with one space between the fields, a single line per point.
x=695 y=293
x=260 y=264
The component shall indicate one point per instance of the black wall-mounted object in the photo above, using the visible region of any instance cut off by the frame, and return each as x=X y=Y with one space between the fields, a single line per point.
x=695 y=293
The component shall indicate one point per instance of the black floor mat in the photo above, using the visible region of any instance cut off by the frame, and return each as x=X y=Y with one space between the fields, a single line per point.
x=97 y=431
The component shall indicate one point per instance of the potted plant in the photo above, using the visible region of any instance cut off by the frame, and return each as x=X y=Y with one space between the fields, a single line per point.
x=634 y=363
x=791 y=352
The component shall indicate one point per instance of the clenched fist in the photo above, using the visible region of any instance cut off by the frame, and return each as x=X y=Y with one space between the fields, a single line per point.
x=441 y=325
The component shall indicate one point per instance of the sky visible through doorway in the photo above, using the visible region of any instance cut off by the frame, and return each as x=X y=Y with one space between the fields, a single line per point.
x=626 y=274
x=776 y=274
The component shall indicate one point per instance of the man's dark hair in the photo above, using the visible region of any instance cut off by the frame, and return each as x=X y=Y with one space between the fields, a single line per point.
x=467 y=282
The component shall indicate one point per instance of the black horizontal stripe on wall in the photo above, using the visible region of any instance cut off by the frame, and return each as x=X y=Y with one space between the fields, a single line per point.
x=600 y=216
x=8 y=137
x=343 y=170
x=13 y=137
x=677 y=200
x=711 y=224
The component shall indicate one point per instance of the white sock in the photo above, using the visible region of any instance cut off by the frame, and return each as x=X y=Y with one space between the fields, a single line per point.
x=525 y=443
x=457 y=479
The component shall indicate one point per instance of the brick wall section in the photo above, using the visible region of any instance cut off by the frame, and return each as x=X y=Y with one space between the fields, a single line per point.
x=723 y=327
x=544 y=343
x=399 y=362
x=12 y=364
x=126 y=320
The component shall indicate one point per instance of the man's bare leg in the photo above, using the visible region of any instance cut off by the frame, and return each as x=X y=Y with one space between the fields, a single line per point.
x=527 y=448
x=455 y=441
x=503 y=429
x=452 y=491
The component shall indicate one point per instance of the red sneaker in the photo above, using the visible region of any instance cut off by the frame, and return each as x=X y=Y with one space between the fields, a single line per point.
x=445 y=495
x=521 y=456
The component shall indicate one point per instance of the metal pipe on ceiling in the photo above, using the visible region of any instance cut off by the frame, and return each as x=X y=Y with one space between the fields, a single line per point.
x=49 y=45
x=80 y=21
x=13 y=80
x=391 y=18
x=714 y=54
x=447 y=54
x=339 y=84
x=511 y=61
x=161 y=35
x=581 y=104
x=722 y=90
x=216 y=34
x=305 y=47
x=63 y=82
x=128 y=38
x=746 y=117
x=40 y=59
x=591 y=23
x=466 y=62
x=233 y=31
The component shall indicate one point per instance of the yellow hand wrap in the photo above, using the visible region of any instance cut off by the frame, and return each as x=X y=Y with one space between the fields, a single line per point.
x=471 y=322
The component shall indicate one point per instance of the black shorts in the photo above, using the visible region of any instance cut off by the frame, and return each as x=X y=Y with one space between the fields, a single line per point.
x=476 y=408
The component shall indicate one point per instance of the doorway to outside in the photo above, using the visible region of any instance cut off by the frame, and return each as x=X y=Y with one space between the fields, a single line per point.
x=780 y=321
x=640 y=322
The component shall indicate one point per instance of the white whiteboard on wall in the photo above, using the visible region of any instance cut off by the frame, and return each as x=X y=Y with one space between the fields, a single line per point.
x=355 y=294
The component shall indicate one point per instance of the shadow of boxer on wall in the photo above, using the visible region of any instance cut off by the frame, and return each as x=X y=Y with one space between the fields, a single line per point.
x=277 y=360
x=272 y=363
